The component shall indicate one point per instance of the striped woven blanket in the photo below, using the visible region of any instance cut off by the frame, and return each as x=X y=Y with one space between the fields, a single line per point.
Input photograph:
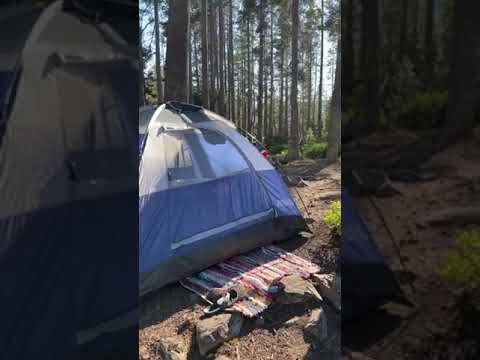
x=257 y=271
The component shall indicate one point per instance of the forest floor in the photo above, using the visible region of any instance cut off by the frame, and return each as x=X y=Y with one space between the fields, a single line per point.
x=173 y=311
x=436 y=328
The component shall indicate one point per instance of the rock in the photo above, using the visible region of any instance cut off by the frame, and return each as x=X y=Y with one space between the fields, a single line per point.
x=172 y=349
x=295 y=180
x=295 y=289
x=317 y=325
x=300 y=321
x=213 y=331
x=330 y=287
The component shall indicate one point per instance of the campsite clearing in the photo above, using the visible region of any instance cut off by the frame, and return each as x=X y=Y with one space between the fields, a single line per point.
x=173 y=312
x=436 y=329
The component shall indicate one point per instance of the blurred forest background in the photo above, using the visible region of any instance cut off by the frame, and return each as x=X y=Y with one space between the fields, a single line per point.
x=418 y=70
x=270 y=66
x=410 y=152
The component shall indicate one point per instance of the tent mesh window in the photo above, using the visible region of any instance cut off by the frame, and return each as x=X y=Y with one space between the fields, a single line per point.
x=195 y=155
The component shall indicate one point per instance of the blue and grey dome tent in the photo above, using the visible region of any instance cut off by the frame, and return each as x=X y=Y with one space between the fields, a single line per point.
x=68 y=186
x=205 y=194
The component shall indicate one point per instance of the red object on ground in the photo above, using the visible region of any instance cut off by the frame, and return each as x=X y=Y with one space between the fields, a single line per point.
x=265 y=153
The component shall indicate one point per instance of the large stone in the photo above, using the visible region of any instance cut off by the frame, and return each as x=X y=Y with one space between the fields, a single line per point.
x=317 y=325
x=213 y=331
x=295 y=289
x=172 y=349
x=330 y=287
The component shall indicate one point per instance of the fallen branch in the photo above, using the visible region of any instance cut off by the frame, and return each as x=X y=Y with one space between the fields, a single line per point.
x=459 y=215
x=330 y=195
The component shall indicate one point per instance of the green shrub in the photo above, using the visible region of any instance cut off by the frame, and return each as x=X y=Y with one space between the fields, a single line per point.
x=423 y=110
x=277 y=148
x=333 y=216
x=277 y=145
x=314 y=150
x=462 y=266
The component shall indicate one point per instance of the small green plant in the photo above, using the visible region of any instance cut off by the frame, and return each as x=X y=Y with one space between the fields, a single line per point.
x=462 y=265
x=314 y=150
x=333 y=216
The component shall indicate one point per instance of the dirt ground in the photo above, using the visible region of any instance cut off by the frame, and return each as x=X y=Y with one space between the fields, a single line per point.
x=432 y=330
x=173 y=311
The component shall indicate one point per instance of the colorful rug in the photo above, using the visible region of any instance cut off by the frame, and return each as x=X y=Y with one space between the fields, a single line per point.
x=258 y=271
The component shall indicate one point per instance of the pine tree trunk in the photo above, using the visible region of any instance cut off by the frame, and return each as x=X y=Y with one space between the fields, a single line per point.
x=231 y=68
x=280 y=106
x=272 y=89
x=204 y=26
x=158 y=65
x=177 y=62
x=371 y=64
x=261 y=25
x=189 y=65
x=309 y=55
x=334 y=128
x=221 y=47
x=320 y=84
x=429 y=45
x=464 y=74
x=347 y=34
x=286 y=116
x=293 y=148
x=141 y=73
x=249 y=77
x=213 y=57
x=197 y=70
